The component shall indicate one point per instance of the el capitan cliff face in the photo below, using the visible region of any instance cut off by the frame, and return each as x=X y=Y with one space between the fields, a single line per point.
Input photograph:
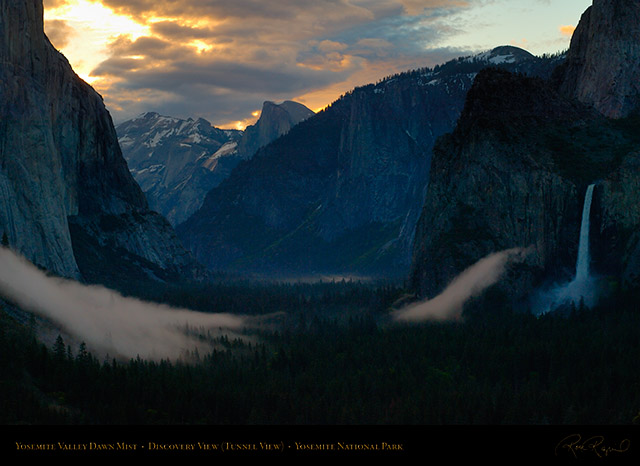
x=61 y=170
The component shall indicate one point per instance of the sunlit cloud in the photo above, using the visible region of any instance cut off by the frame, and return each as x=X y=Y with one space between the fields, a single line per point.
x=59 y=32
x=217 y=59
x=220 y=60
x=415 y=7
x=92 y=26
x=567 y=30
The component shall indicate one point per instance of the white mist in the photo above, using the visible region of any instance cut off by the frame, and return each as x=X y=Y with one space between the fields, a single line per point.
x=108 y=322
x=472 y=282
x=581 y=288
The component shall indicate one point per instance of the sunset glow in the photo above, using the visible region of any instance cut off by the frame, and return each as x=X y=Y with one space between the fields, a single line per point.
x=567 y=30
x=220 y=60
x=91 y=27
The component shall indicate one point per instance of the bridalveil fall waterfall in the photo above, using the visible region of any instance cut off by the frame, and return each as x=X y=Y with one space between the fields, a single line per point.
x=582 y=264
x=581 y=288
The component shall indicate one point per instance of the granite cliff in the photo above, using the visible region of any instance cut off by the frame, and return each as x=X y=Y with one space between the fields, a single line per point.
x=275 y=120
x=602 y=68
x=341 y=192
x=67 y=199
x=497 y=183
x=514 y=171
x=177 y=162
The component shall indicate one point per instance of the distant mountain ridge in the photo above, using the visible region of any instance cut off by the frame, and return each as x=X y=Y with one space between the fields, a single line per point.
x=177 y=161
x=342 y=191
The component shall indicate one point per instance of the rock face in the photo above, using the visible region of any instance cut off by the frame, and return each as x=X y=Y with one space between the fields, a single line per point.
x=514 y=171
x=603 y=70
x=175 y=161
x=603 y=64
x=62 y=174
x=496 y=184
x=617 y=210
x=275 y=120
x=342 y=191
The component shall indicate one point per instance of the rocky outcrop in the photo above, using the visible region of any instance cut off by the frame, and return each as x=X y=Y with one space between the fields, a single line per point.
x=603 y=63
x=513 y=174
x=177 y=162
x=617 y=211
x=514 y=171
x=275 y=120
x=341 y=192
x=61 y=168
x=496 y=183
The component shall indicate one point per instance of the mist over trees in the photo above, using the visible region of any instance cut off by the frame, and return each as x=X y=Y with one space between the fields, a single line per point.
x=324 y=366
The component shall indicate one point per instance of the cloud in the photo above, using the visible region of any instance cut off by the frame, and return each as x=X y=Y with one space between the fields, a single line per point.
x=54 y=3
x=219 y=59
x=59 y=32
x=567 y=30
x=415 y=7
x=307 y=50
x=108 y=322
x=449 y=304
x=173 y=78
x=179 y=32
x=281 y=10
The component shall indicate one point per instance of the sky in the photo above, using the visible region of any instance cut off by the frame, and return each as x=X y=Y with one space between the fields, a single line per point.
x=221 y=59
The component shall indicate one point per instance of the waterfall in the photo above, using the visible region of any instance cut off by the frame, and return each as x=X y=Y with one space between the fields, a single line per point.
x=581 y=288
x=582 y=264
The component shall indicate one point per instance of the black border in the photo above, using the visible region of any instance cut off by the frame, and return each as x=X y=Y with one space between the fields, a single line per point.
x=512 y=443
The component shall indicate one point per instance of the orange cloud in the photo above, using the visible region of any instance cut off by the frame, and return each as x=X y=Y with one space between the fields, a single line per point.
x=218 y=59
x=567 y=30
x=54 y=3
x=415 y=7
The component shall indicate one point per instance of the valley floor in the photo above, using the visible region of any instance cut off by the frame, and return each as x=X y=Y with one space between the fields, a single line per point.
x=336 y=359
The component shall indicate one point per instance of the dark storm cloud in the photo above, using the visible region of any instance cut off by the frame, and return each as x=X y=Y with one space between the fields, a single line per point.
x=405 y=35
x=228 y=75
x=116 y=66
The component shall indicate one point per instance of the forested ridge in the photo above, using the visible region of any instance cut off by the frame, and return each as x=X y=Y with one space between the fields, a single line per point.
x=337 y=359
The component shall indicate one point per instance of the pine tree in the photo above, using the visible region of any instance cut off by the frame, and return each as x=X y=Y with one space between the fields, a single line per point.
x=5 y=239
x=83 y=356
x=59 y=349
